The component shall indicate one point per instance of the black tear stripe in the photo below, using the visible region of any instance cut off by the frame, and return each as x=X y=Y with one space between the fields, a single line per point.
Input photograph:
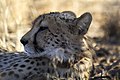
x=40 y=29
x=34 y=40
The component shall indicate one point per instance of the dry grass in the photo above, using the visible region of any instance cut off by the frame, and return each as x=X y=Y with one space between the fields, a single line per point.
x=11 y=25
x=17 y=15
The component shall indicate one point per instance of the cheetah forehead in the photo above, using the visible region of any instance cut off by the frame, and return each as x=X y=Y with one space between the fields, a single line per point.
x=57 y=22
x=63 y=15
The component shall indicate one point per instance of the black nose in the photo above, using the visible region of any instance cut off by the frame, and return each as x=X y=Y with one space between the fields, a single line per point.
x=24 y=41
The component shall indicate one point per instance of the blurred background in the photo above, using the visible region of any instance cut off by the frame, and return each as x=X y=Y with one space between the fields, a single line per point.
x=16 y=17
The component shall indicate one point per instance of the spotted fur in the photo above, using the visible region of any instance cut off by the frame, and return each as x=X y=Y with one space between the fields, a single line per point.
x=55 y=49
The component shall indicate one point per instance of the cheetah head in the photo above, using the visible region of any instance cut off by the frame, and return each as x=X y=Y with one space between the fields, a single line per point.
x=56 y=35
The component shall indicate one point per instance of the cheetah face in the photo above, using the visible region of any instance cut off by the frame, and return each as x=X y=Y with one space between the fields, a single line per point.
x=56 y=35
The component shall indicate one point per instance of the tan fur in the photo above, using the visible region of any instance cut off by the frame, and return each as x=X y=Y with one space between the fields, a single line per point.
x=57 y=43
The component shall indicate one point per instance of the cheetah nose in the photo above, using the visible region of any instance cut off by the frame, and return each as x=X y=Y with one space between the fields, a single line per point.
x=23 y=41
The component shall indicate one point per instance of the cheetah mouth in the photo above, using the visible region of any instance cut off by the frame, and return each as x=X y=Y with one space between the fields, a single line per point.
x=53 y=54
x=36 y=53
x=31 y=51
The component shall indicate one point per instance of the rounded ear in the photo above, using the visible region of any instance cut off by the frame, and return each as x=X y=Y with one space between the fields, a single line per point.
x=83 y=23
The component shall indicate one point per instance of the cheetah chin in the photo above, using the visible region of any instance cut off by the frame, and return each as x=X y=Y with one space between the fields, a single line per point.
x=57 y=54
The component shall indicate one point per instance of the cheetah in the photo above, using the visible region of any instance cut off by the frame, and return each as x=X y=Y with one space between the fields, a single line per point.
x=56 y=48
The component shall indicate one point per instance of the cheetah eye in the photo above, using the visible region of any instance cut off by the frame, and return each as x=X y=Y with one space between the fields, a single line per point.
x=42 y=28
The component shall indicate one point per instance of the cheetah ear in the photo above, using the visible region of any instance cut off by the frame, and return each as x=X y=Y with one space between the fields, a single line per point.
x=83 y=23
